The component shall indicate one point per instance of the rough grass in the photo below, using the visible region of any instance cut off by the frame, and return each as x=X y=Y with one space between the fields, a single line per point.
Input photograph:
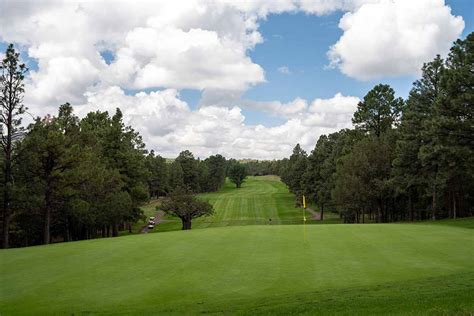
x=278 y=269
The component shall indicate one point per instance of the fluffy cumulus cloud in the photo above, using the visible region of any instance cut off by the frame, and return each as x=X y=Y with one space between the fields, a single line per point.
x=186 y=44
x=164 y=46
x=392 y=38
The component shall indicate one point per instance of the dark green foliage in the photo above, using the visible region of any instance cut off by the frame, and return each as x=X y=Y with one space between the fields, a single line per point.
x=190 y=167
x=215 y=172
x=183 y=204
x=79 y=178
x=159 y=178
x=237 y=174
x=293 y=175
x=175 y=175
x=263 y=167
x=362 y=180
x=379 y=110
x=319 y=176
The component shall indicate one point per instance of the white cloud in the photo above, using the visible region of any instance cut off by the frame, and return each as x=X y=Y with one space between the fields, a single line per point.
x=169 y=126
x=287 y=110
x=284 y=70
x=321 y=7
x=393 y=38
x=337 y=104
x=175 y=58
x=187 y=44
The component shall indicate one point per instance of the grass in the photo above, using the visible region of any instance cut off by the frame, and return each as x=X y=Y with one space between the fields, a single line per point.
x=259 y=200
x=347 y=269
x=249 y=268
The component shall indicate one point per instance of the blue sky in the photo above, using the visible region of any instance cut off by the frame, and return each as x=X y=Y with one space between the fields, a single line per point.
x=263 y=66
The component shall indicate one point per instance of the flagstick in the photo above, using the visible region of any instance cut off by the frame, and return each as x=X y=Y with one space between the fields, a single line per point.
x=304 y=219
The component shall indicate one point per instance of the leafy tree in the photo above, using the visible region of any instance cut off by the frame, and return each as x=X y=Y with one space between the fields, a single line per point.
x=12 y=74
x=183 y=204
x=237 y=174
x=379 y=110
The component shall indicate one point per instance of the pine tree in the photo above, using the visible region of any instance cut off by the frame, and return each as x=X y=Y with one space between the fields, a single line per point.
x=12 y=74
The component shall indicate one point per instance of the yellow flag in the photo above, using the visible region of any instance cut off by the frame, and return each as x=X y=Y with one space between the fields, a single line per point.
x=304 y=201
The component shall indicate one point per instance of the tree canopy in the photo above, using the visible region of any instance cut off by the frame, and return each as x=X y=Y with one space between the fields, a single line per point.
x=183 y=204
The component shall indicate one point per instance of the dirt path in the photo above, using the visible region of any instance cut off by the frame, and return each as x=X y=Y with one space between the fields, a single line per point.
x=315 y=216
x=158 y=219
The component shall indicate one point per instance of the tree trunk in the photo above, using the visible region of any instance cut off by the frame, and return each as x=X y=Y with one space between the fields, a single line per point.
x=454 y=206
x=6 y=227
x=47 y=225
x=380 y=214
x=67 y=236
x=433 y=205
x=186 y=223
x=322 y=212
x=47 y=212
x=115 y=230
x=6 y=199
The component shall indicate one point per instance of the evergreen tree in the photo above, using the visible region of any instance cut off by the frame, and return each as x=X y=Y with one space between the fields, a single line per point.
x=12 y=74
x=216 y=166
x=190 y=168
x=379 y=110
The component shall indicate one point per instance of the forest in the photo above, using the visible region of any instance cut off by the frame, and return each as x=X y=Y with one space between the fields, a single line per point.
x=67 y=178
x=405 y=159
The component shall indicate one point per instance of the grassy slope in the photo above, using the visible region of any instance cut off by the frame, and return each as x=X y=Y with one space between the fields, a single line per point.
x=348 y=269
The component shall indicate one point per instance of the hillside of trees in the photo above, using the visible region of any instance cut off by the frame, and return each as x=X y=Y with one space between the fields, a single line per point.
x=405 y=159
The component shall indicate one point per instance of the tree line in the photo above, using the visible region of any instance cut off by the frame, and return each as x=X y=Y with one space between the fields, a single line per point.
x=407 y=159
x=66 y=178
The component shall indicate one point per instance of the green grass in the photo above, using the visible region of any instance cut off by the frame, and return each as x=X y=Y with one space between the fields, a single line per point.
x=250 y=267
x=259 y=200
x=278 y=269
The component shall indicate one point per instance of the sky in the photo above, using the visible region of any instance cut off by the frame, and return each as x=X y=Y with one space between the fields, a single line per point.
x=245 y=79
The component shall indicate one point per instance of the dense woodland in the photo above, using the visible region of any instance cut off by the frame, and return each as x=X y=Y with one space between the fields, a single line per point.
x=65 y=178
x=406 y=159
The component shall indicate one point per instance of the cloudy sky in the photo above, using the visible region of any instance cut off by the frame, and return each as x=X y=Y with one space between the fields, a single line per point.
x=246 y=79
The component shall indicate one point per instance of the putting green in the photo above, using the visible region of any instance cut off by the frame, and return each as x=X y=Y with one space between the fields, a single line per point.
x=271 y=269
